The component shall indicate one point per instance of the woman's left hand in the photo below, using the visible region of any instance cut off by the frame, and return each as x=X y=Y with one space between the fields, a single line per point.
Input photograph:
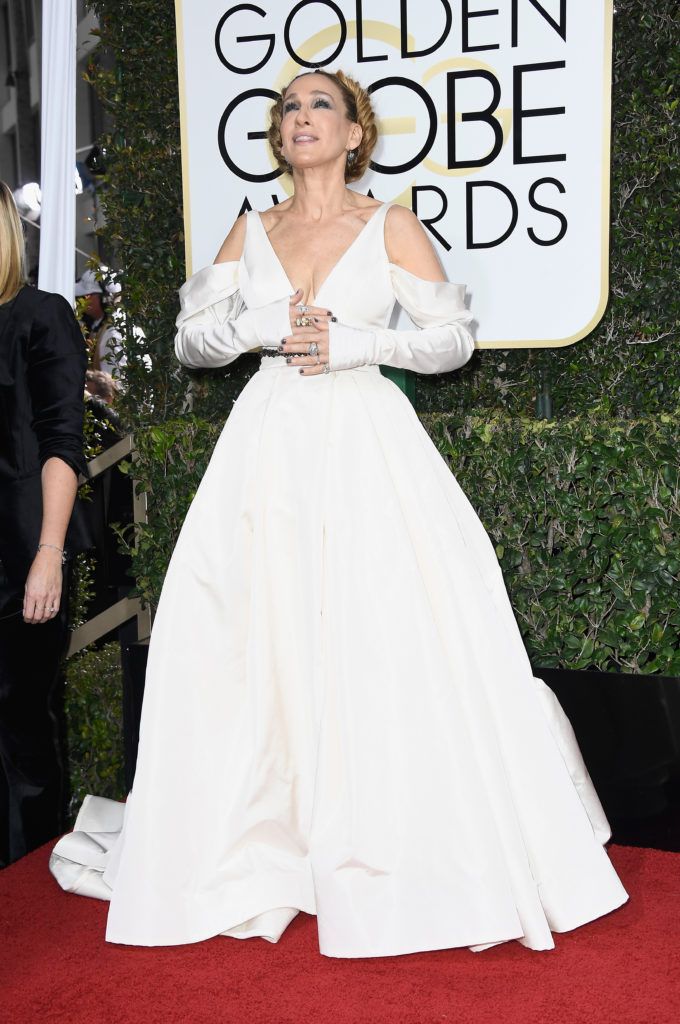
x=296 y=346
x=42 y=594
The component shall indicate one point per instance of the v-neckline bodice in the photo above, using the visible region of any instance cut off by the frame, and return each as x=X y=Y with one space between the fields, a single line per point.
x=313 y=301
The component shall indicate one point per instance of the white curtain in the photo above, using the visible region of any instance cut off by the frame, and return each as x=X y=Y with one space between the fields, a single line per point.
x=57 y=175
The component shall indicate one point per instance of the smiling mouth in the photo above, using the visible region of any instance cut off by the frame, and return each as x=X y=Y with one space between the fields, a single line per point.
x=304 y=138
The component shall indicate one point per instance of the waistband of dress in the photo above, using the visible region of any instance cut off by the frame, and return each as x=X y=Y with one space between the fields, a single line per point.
x=271 y=362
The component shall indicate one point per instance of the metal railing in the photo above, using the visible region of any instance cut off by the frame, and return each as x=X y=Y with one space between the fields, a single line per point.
x=128 y=607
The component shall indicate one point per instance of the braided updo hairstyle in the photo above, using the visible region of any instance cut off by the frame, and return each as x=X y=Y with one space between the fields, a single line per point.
x=358 y=109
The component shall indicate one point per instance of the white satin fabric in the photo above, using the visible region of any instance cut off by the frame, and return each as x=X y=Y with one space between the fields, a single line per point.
x=340 y=716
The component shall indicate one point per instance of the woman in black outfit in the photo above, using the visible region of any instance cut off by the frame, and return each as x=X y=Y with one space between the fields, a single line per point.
x=42 y=376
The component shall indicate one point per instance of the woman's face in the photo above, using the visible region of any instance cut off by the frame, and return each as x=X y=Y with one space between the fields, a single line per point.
x=315 y=128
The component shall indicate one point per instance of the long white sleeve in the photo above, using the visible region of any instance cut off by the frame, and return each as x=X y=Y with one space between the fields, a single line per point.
x=441 y=343
x=214 y=327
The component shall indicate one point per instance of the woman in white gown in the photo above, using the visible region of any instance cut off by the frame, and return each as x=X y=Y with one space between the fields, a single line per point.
x=340 y=716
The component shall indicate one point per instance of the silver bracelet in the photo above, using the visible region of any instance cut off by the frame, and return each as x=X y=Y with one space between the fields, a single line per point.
x=54 y=548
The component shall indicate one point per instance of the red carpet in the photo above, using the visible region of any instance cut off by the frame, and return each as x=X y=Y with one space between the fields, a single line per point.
x=56 y=967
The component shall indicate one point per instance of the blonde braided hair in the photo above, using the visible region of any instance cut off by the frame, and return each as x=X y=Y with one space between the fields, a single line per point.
x=358 y=108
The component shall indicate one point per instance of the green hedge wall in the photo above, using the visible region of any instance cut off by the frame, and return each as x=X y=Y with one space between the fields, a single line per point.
x=94 y=713
x=585 y=514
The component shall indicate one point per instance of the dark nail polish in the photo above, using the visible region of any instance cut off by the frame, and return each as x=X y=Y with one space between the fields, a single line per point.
x=334 y=319
x=289 y=359
x=300 y=370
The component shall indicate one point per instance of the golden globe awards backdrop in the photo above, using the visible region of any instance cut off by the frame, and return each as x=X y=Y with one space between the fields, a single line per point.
x=494 y=129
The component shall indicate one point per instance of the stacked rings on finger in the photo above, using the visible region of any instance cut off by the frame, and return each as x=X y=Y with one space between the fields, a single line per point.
x=303 y=321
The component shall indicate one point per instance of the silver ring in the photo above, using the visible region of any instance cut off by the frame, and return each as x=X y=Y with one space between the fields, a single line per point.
x=326 y=368
x=313 y=348
x=303 y=309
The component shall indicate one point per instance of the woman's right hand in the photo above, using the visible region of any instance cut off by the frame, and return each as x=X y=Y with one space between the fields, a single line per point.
x=311 y=311
x=42 y=595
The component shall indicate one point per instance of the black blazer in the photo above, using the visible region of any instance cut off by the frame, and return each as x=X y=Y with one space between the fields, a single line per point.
x=42 y=378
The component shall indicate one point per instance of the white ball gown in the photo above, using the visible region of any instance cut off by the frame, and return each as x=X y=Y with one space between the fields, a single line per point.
x=340 y=716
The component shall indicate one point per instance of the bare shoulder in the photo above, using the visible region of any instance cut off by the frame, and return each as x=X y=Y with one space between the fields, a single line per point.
x=232 y=246
x=364 y=206
x=274 y=215
x=409 y=246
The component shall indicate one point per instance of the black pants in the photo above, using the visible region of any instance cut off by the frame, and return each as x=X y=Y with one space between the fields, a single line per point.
x=32 y=750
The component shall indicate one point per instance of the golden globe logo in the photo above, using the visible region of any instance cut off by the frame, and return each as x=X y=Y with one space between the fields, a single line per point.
x=248 y=54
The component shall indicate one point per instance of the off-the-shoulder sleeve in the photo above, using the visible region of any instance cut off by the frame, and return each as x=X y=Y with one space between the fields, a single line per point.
x=57 y=361
x=214 y=326
x=441 y=343
x=429 y=303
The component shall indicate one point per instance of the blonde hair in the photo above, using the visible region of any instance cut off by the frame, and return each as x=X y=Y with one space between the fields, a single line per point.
x=359 y=110
x=12 y=248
